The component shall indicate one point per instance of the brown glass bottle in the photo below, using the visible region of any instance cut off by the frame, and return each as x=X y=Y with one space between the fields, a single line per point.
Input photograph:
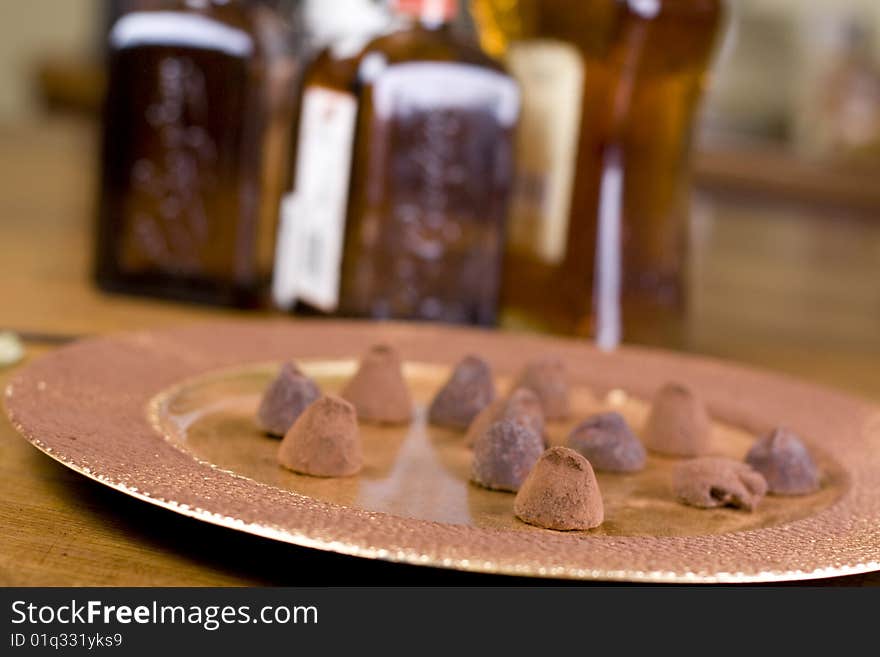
x=313 y=209
x=194 y=151
x=432 y=175
x=607 y=258
x=430 y=179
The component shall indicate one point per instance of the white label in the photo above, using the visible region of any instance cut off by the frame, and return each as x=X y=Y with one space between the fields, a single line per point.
x=608 y=272
x=312 y=219
x=551 y=75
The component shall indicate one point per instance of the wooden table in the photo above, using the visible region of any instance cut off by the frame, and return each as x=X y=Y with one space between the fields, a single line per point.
x=785 y=288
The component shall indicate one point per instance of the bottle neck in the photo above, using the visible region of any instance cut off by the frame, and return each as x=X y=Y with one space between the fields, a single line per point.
x=430 y=14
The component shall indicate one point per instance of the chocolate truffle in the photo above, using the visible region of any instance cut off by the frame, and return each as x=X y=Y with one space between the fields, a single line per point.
x=468 y=391
x=504 y=454
x=324 y=441
x=608 y=443
x=483 y=421
x=285 y=399
x=561 y=492
x=521 y=406
x=785 y=463
x=378 y=390
x=710 y=482
x=546 y=378
x=678 y=424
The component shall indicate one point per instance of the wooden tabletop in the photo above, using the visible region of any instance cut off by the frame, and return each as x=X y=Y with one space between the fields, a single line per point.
x=792 y=289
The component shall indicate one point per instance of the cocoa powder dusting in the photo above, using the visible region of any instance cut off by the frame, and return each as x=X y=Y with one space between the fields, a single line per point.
x=378 y=390
x=285 y=399
x=785 y=463
x=608 y=443
x=678 y=424
x=546 y=377
x=324 y=441
x=522 y=405
x=504 y=455
x=469 y=390
x=709 y=482
x=561 y=492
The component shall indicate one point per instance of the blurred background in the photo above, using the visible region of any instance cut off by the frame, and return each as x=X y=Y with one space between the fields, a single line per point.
x=783 y=268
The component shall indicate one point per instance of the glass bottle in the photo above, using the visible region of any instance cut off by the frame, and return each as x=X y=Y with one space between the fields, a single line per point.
x=196 y=133
x=599 y=219
x=430 y=180
x=313 y=209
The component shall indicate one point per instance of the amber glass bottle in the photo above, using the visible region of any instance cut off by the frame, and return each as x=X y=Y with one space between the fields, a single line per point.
x=599 y=223
x=430 y=180
x=313 y=209
x=194 y=152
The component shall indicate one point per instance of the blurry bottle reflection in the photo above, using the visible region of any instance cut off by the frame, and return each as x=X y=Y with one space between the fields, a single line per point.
x=430 y=178
x=195 y=140
x=599 y=224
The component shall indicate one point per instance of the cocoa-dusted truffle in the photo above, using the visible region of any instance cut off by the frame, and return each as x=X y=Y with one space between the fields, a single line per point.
x=324 y=441
x=608 y=443
x=678 y=424
x=547 y=379
x=468 y=391
x=483 y=421
x=710 y=482
x=378 y=390
x=785 y=463
x=504 y=454
x=285 y=399
x=522 y=405
x=561 y=492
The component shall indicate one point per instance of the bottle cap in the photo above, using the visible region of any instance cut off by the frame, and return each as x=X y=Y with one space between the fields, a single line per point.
x=429 y=11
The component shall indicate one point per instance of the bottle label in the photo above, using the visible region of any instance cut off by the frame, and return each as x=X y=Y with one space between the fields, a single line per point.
x=312 y=217
x=551 y=76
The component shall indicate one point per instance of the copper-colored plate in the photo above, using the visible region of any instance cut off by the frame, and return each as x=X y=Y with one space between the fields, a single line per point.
x=167 y=417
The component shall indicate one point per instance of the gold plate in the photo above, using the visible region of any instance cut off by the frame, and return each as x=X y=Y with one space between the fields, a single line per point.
x=167 y=417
